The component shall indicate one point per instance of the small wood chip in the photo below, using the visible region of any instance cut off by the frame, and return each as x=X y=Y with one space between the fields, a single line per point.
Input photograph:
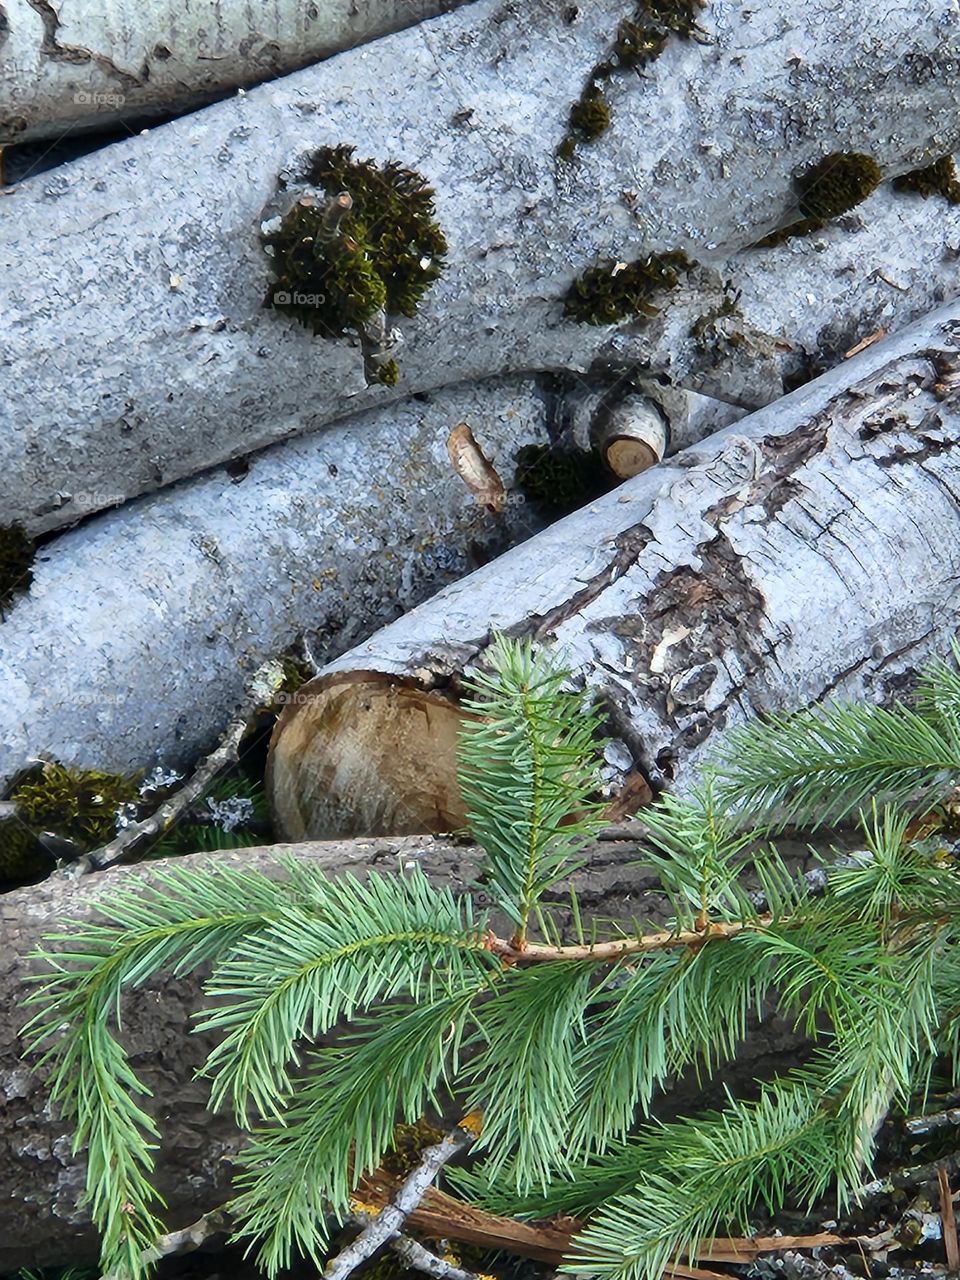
x=868 y=341
x=949 y=1220
x=473 y=468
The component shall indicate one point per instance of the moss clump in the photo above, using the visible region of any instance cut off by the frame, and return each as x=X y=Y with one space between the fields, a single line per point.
x=17 y=550
x=639 y=41
x=589 y=117
x=837 y=184
x=409 y=1143
x=388 y=373
x=78 y=804
x=557 y=481
x=937 y=179
x=805 y=227
x=834 y=185
x=612 y=292
x=337 y=265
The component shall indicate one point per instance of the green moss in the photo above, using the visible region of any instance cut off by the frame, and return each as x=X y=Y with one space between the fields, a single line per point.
x=937 y=179
x=614 y=291
x=78 y=804
x=638 y=41
x=409 y=1143
x=16 y=556
x=557 y=481
x=335 y=270
x=388 y=373
x=836 y=184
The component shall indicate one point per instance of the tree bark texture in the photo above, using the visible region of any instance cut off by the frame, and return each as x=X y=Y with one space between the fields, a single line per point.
x=133 y=312
x=86 y=66
x=134 y=641
x=810 y=551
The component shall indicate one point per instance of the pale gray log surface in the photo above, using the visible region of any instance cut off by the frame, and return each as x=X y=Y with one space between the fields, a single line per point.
x=40 y=1222
x=811 y=550
x=133 y=279
x=141 y=626
x=86 y=65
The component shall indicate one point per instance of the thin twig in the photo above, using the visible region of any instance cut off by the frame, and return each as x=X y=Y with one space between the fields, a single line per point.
x=418 y=1256
x=617 y=948
x=949 y=1220
x=382 y=1227
x=930 y=1124
x=260 y=690
x=214 y=1223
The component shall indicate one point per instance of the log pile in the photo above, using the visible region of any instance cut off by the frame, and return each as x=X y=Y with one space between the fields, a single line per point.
x=211 y=483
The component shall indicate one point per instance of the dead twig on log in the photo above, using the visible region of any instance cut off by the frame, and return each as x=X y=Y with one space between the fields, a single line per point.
x=382 y=1227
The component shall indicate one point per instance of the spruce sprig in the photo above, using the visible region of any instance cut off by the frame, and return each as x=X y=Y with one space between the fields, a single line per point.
x=563 y=1043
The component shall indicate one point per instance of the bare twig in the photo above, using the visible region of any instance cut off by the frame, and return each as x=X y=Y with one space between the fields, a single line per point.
x=215 y=1223
x=418 y=1256
x=617 y=948
x=949 y=1220
x=261 y=689
x=930 y=1124
x=384 y=1226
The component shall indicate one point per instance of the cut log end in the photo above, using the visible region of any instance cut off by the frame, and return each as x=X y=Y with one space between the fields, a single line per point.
x=365 y=754
x=634 y=437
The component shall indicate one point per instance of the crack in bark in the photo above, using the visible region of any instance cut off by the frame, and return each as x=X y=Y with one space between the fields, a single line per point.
x=51 y=47
x=628 y=548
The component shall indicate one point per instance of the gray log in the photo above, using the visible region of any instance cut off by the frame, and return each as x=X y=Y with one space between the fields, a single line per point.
x=133 y=279
x=141 y=626
x=811 y=550
x=81 y=66
x=40 y=1181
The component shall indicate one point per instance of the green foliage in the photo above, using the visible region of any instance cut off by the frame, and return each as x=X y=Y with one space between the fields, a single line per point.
x=564 y=1044
x=937 y=179
x=527 y=773
x=335 y=274
x=615 y=291
x=17 y=551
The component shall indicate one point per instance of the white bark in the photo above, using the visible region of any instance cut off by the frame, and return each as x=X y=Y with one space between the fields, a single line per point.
x=79 y=64
x=134 y=277
x=134 y=642
x=811 y=550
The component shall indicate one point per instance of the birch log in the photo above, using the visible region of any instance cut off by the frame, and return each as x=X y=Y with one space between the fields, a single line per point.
x=86 y=66
x=40 y=1181
x=811 y=550
x=141 y=626
x=133 y=278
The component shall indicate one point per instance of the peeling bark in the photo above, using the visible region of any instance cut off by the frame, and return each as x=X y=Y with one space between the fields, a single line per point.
x=811 y=550
x=75 y=67
x=152 y=302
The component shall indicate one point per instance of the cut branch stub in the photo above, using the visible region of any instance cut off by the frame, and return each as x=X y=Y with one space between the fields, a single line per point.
x=633 y=437
x=365 y=754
